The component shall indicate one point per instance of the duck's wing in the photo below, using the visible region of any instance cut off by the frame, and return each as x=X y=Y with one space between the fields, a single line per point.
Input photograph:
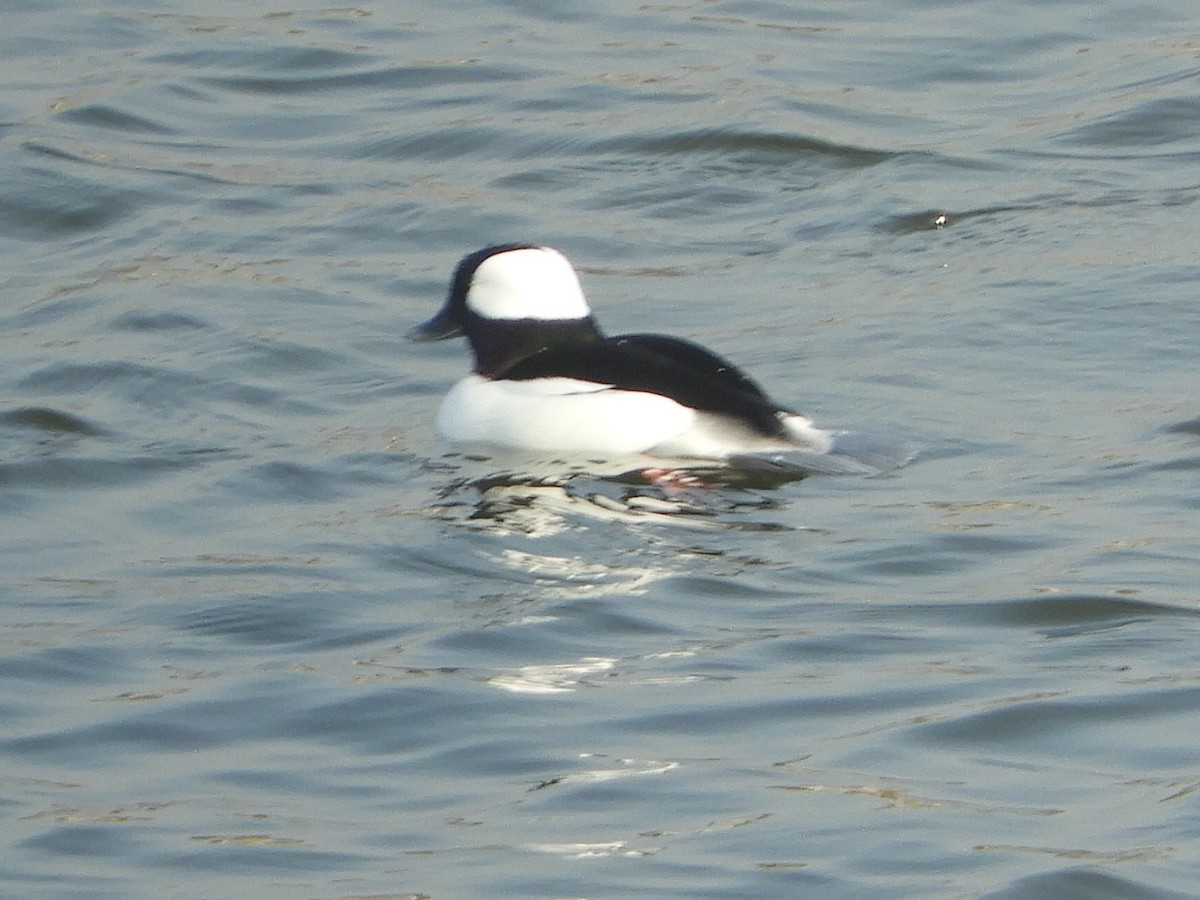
x=657 y=364
x=695 y=359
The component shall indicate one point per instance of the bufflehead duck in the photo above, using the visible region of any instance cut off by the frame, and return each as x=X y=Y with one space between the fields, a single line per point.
x=547 y=379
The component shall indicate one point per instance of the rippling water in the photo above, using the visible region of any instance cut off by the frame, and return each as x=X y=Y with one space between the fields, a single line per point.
x=261 y=634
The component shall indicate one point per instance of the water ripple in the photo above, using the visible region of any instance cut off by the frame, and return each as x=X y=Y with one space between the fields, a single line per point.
x=262 y=632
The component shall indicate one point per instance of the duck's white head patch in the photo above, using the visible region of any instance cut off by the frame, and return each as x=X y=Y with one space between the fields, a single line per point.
x=527 y=283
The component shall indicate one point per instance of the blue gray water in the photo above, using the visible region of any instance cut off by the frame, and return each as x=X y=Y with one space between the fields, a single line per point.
x=263 y=635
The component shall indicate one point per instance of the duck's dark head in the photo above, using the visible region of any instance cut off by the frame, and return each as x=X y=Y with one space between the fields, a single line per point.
x=511 y=301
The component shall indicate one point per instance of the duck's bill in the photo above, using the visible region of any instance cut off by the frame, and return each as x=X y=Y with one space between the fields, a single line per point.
x=438 y=328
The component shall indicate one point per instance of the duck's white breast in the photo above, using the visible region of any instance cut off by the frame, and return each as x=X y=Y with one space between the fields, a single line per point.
x=560 y=414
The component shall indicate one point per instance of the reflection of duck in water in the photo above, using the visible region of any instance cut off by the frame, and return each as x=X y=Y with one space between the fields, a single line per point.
x=547 y=379
x=554 y=499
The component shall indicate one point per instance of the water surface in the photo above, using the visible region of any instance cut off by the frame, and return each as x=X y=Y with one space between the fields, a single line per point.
x=263 y=634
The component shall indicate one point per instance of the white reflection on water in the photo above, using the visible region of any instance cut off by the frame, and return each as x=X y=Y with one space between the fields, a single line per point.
x=552 y=679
